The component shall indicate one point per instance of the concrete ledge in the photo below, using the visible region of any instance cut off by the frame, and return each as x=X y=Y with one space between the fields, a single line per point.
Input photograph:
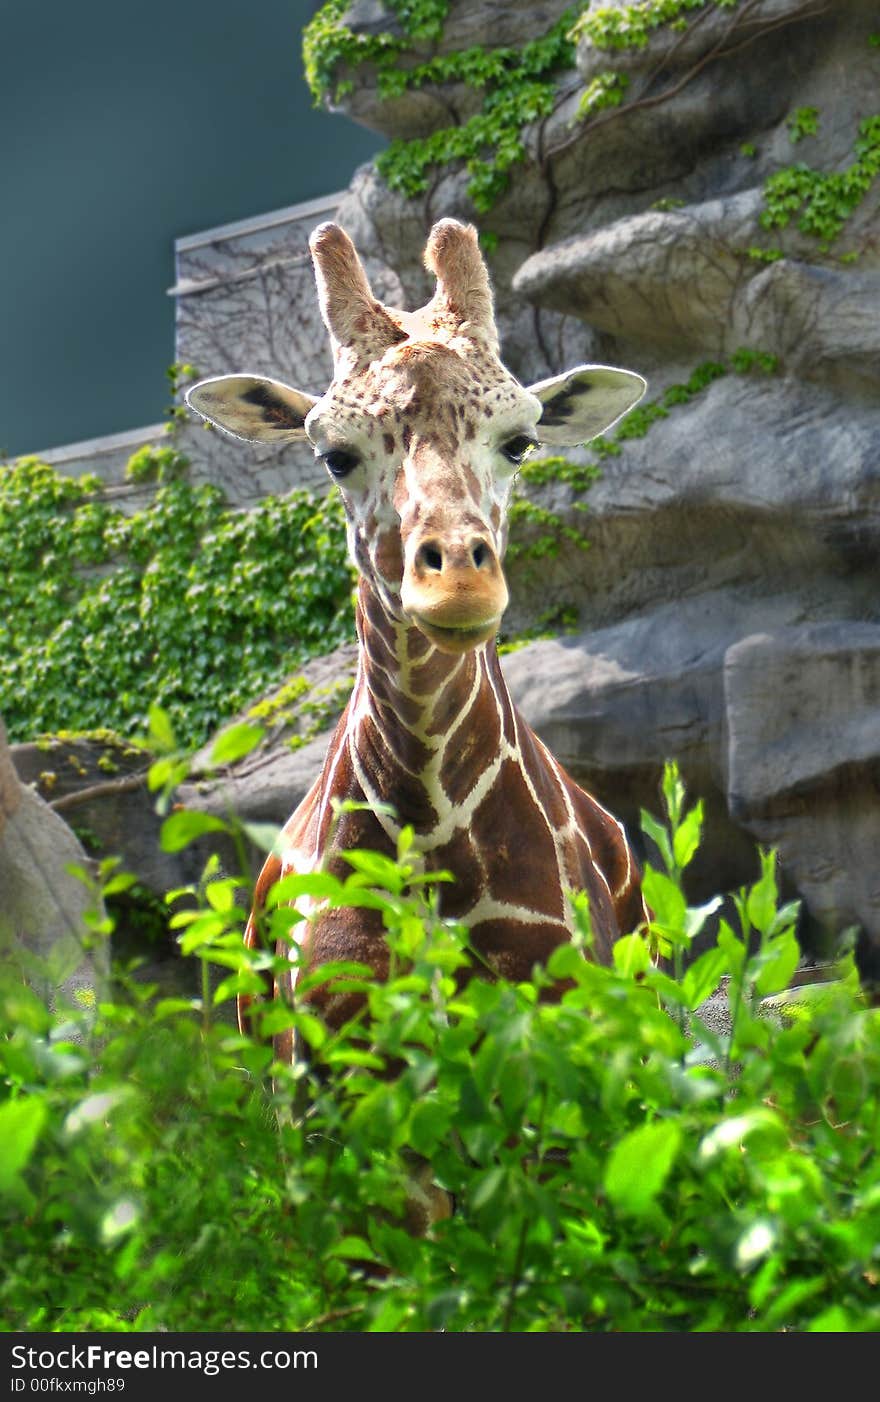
x=91 y=449
x=305 y=210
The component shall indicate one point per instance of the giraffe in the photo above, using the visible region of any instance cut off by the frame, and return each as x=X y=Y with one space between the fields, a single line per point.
x=423 y=430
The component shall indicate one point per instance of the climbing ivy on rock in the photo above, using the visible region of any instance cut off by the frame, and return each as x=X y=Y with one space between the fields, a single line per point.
x=188 y=602
x=538 y=533
x=518 y=85
x=544 y=530
x=822 y=201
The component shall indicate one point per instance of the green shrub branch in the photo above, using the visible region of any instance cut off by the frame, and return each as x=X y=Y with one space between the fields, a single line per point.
x=617 y=1164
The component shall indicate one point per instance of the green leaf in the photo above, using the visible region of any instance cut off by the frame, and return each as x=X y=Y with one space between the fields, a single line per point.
x=123 y=881
x=664 y=899
x=776 y=964
x=733 y=1132
x=833 y=1320
x=184 y=827
x=703 y=977
x=429 y=1125
x=487 y=1185
x=243 y=981
x=673 y=791
x=385 y=872
x=762 y=898
x=639 y=1165
x=686 y=838
x=660 y=835
x=631 y=956
x=733 y=949
x=236 y=742
x=318 y=885
x=206 y=926
x=162 y=737
x=566 y=961
x=352 y=1248
x=20 y=1124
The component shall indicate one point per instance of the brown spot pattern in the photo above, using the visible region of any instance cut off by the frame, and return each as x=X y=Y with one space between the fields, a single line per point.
x=512 y=948
x=460 y=857
x=394 y=784
x=517 y=847
x=471 y=748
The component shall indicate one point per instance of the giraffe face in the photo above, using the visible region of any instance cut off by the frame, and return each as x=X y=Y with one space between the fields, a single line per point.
x=423 y=430
x=424 y=446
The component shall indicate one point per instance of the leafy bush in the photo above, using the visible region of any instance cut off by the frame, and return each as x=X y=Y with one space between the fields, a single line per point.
x=187 y=601
x=615 y=1164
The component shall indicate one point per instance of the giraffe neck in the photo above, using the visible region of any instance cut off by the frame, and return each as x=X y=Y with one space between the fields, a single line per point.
x=433 y=742
x=426 y=730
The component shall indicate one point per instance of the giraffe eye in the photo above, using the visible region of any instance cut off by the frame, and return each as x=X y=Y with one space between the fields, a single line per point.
x=517 y=449
x=340 y=462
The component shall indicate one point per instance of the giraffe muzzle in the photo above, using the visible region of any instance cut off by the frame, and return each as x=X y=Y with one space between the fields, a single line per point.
x=455 y=593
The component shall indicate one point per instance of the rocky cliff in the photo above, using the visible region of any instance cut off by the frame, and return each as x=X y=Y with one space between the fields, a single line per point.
x=728 y=606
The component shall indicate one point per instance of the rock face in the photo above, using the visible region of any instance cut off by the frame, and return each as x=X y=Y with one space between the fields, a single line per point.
x=728 y=604
x=43 y=934
x=728 y=609
x=804 y=774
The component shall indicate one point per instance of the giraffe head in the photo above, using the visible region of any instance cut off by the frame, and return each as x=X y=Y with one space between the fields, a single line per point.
x=423 y=430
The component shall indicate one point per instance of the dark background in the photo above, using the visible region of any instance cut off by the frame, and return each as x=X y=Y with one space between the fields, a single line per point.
x=123 y=127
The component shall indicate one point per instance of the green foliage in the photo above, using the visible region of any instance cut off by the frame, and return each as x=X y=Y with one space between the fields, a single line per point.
x=187 y=602
x=606 y=90
x=616 y=1164
x=804 y=121
x=152 y=464
x=631 y=26
x=518 y=87
x=823 y=200
x=329 y=44
x=539 y=533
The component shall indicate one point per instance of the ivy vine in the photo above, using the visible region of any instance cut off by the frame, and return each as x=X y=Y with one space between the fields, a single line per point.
x=188 y=602
x=823 y=200
x=518 y=86
x=544 y=531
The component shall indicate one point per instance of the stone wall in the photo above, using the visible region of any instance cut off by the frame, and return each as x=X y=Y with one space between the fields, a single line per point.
x=43 y=932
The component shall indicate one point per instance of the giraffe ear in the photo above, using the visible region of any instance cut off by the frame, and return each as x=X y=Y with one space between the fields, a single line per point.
x=252 y=407
x=585 y=402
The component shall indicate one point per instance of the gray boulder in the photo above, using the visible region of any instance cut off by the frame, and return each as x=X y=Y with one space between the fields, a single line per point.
x=802 y=709
x=44 y=935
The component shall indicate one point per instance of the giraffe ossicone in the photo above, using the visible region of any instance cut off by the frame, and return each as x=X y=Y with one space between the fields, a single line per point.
x=423 y=429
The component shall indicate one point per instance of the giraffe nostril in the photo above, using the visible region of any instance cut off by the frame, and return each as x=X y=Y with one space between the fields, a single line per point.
x=431 y=556
x=480 y=553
